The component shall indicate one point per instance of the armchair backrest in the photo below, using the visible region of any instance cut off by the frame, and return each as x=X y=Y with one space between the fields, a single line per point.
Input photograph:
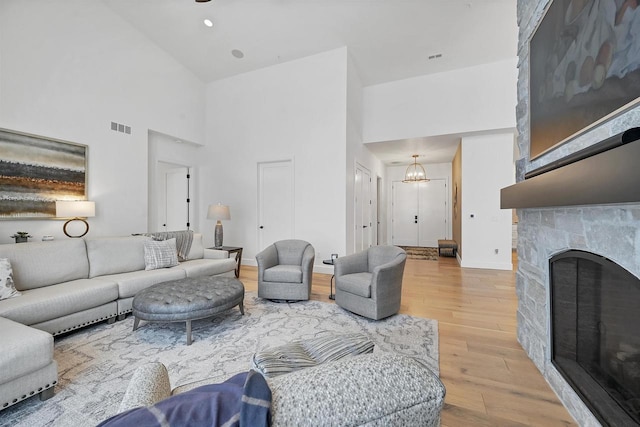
x=290 y=252
x=378 y=255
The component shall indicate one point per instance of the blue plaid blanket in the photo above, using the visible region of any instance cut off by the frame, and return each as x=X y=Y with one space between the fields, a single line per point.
x=243 y=400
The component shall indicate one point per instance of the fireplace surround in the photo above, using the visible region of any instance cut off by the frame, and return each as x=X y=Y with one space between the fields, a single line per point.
x=608 y=229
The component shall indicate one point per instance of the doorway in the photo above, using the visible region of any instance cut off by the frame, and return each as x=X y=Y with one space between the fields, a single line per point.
x=419 y=213
x=363 y=208
x=174 y=201
x=275 y=202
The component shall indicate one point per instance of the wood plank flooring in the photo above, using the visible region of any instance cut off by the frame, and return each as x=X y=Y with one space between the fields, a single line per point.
x=489 y=379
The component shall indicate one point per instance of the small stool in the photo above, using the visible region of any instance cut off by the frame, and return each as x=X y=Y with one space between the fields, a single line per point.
x=447 y=248
x=27 y=367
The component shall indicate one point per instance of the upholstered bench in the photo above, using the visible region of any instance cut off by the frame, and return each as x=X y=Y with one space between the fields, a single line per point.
x=382 y=389
x=27 y=367
x=447 y=248
x=187 y=299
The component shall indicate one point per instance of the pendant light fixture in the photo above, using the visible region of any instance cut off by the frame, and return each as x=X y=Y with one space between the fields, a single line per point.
x=415 y=172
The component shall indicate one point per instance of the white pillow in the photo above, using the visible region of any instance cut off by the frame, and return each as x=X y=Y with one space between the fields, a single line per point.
x=160 y=254
x=7 y=287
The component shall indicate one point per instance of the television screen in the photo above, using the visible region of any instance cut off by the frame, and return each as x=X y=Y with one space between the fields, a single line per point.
x=584 y=68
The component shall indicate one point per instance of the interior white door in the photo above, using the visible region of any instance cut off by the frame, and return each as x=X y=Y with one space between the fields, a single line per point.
x=432 y=212
x=177 y=194
x=363 y=208
x=172 y=206
x=275 y=202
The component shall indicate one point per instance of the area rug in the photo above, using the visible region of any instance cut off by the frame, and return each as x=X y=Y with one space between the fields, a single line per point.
x=96 y=363
x=419 y=252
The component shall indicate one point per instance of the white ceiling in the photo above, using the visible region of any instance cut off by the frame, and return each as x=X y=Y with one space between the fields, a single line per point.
x=387 y=39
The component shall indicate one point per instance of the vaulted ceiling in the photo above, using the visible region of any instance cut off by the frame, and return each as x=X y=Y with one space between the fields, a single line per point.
x=387 y=39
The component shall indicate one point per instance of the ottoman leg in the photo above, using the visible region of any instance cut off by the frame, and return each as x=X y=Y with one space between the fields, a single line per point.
x=188 y=332
x=241 y=307
x=136 y=323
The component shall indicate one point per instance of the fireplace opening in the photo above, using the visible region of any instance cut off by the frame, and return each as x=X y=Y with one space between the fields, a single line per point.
x=595 y=334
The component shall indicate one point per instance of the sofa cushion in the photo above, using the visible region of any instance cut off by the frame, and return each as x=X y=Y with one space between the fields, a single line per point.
x=129 y=284
x=7 y=288
x=207 y=267
x=50 y=302
x=160 y=254
x=111 y=255
x=24 y=350
x=38 y=264
x=197 y=247
x=357 y=284
x=283 y=273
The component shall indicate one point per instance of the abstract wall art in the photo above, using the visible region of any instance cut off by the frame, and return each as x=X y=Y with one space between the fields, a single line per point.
x=36 y=171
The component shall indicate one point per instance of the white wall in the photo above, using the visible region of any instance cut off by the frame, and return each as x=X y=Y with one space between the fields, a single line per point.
x=434 y=171
x=70 y=68
x=465 y=100
x=295 y=110
x=358 y=153
x=487 y=166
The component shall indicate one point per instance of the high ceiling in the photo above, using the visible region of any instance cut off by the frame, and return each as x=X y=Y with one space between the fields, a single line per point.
x=387 y=39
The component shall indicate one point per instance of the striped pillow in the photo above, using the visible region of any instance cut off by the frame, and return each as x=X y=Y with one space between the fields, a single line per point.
x=306 y=353
x=160 y=254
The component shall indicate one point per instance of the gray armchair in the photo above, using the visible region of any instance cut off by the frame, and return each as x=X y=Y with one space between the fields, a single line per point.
x=369 y=283
x=285 y=269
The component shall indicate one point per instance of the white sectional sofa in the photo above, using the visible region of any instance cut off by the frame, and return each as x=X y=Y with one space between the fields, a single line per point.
x=71 y=283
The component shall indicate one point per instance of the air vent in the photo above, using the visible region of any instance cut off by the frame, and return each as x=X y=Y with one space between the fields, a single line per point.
x=119 y=127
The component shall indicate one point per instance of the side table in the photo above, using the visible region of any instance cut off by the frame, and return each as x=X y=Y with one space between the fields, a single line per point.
x=233 y=250
x=330 y=262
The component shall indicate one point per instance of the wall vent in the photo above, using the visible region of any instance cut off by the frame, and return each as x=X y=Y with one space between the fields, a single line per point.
x=119 y=127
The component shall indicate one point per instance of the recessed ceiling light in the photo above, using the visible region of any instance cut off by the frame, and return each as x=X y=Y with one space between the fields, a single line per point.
x=237 y=53
x=208 y=23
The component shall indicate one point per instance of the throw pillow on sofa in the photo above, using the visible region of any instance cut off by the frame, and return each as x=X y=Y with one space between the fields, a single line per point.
x=160 y=254
x=7 y=287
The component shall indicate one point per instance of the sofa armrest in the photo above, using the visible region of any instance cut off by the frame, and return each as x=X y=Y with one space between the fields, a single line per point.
x=148 y=385
x=387 y=278
x=266 y=259
x=215 y=254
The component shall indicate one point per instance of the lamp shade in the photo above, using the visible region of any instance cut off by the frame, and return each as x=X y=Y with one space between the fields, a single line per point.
x=218 y=212
x=75 y=209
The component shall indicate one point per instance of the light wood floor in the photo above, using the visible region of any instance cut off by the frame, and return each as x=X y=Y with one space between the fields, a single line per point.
x=489 y=379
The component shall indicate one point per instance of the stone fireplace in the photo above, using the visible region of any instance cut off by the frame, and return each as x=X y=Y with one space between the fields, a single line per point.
x=611 y=231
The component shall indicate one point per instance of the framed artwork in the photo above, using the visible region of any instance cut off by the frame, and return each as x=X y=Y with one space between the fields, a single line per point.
x=584 y=68
x=36 y=171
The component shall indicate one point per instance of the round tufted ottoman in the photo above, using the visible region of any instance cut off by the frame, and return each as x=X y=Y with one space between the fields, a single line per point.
x=187 y=299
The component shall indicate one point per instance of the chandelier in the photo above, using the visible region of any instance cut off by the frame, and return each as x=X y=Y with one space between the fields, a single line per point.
x=415 y=172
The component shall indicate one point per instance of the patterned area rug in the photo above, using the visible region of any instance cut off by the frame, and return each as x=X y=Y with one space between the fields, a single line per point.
x=418 y=252
x=96 y=363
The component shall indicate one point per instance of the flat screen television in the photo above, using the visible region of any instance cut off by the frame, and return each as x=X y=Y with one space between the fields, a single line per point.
x=584 y=68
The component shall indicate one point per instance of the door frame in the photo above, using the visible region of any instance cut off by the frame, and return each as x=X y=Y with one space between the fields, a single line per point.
x=367 y=206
